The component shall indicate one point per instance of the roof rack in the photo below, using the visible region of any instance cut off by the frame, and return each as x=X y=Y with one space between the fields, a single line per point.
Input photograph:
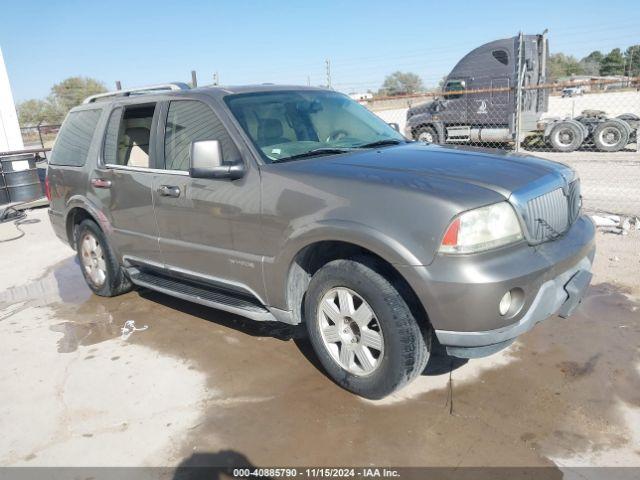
x=173 y=86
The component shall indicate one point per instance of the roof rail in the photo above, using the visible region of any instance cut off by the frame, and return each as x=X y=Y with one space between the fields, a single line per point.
x=173 y=86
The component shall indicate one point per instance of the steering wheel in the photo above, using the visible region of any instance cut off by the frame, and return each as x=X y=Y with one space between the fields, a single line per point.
x=337 y=135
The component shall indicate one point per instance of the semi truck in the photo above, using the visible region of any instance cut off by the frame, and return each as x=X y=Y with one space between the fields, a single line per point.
x=480 y=99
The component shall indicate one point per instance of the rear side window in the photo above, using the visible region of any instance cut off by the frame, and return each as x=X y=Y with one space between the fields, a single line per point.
x=191 y=121
x=127 y=140
x=73 y=142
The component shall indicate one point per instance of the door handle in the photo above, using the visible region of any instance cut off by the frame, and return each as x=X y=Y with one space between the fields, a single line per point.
x=169 y=191
x=100 y=183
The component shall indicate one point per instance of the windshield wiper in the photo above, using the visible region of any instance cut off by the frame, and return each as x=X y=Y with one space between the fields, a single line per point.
x=314 y=153
x=381 y=143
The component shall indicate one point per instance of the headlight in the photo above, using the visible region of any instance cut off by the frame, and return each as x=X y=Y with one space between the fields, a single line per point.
x=482 y=229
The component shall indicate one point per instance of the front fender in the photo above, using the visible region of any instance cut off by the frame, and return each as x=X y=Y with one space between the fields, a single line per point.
x=276 y=269
x=426 y=119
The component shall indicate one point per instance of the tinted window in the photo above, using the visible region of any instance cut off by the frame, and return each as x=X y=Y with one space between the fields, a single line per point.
x=454 y=86
x=128 y=136
x=191 y=121
x=74 y=139
x=110 y=154
x=501 y=56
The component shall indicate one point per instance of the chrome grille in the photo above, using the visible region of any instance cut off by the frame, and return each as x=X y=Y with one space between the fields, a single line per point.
x=551 y=214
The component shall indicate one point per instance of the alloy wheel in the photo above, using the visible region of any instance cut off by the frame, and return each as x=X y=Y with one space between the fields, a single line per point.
x=93 y=261
x=350 y=331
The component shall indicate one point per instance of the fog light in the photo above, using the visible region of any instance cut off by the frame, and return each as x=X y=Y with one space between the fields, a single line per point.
x=505 y=303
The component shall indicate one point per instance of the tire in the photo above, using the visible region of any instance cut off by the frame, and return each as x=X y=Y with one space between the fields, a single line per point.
x=98 y=263
x=629 y=117
x=427 y=134
x=610 y=136
x=399 y=348
x=566 y=137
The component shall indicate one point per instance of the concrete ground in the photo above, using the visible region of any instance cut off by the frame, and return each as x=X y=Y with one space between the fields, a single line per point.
x=193 y=384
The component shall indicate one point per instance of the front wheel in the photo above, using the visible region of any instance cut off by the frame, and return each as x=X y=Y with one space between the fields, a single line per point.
x=364 y=333
x=426 y=134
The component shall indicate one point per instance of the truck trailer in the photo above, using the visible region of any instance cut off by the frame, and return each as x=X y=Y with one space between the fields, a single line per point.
x=480 y=99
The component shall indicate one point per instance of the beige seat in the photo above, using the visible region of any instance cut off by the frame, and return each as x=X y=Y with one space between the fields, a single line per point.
x=135 y=147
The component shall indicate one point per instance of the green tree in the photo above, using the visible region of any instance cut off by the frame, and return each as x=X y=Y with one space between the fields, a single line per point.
x=612 y=63
x=63 y=97
x=561 y=65
x=72 y=91
x=401 y=83
x=632 y=61
x=33 y=112
x=591 y=63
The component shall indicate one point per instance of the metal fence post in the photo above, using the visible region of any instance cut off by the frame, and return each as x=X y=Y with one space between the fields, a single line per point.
x=40 y=135
x=519 y=79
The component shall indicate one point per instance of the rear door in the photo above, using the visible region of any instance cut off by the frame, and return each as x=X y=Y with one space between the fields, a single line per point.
x=124 y=181
x=207 y=227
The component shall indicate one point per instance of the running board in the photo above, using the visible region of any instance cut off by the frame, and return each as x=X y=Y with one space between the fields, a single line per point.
x=202 y=294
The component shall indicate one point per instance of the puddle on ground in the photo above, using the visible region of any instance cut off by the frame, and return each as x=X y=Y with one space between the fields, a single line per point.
x=556 y=392
x=84 y=334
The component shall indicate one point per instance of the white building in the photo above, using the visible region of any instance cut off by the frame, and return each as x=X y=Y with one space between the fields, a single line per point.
x=10 y=137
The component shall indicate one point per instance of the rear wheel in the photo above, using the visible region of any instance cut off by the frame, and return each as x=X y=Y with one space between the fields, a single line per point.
x=566 y=137
x=362 y=330
x=610 y=136
x=427 y=134
x=100 y=269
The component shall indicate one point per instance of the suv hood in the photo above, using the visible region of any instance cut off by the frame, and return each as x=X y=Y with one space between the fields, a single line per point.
x=503 y=173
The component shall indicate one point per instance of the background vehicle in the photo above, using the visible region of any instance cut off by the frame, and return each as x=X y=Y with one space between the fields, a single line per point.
x=572 y=91
x=480 y=103
x=298 y=204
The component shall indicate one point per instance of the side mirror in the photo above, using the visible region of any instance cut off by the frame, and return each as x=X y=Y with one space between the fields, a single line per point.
x=206 y=162
x=395 y=126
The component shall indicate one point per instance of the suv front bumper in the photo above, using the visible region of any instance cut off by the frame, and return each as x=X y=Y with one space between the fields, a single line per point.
x=461 y=293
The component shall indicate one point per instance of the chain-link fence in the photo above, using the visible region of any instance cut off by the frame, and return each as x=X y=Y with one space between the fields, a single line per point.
x=39 y=136
x=592 y=124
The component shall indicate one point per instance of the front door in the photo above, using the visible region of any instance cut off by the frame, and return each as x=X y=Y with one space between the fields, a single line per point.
x=124 y=181
x=208 y=227
x=455 y=102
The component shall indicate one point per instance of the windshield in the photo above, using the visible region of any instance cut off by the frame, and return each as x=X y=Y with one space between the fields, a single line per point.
x=286 y=125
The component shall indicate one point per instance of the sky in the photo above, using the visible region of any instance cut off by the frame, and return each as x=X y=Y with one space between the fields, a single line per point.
x=147 y=42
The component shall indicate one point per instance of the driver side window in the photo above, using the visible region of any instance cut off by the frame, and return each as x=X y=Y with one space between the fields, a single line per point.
x=454 y=86
x=190 y=121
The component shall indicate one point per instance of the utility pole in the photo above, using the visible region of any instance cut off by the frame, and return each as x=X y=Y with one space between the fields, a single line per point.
x=194 y=79
x=308 y=80
x=327 y=64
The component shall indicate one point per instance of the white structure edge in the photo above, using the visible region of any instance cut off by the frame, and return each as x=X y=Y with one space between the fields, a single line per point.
x=10 y=137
